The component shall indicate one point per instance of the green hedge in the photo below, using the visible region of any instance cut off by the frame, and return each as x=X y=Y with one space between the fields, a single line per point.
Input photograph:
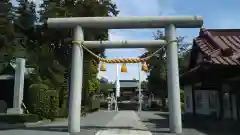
x=19 y=118
x=62 y=113
x=45 y=102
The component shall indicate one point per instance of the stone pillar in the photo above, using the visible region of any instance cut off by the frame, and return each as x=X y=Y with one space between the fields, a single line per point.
x=18 y=87
x=74 y=112
x=175 y=118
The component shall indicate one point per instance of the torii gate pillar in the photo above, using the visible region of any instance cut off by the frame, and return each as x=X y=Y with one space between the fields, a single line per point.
x=168 y=22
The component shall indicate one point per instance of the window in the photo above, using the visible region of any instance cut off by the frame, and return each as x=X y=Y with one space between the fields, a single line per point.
x=199 y=100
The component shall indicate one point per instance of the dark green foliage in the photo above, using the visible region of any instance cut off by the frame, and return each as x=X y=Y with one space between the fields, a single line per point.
x=60 y=40
x=182 y=106
x=157 y=77
x=53 y=105
x=48 y=51
x=7 y=34
x=12 y=119
x=34 y=97
x=105 y=86
x=45 y=102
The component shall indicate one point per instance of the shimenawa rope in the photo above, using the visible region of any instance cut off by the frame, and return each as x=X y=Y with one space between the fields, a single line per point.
x=114 y=60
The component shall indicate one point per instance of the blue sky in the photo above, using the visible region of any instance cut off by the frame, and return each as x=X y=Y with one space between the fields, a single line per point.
x=216 y=13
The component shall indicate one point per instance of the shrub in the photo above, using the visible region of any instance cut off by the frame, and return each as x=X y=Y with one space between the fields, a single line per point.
x=62 y=113
x=53 y=105
x=44 y=102
x=182 y=106
x=35 y=97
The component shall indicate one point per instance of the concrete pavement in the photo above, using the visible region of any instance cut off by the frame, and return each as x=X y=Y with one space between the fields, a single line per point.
x=158 y=124
x=111 y=123
x=125 y=123
x=89 y=126
x=97 y=123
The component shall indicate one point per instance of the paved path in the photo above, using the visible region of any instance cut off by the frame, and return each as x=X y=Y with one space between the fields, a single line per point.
x=98 y=123
x=115 y=123
x=89 y=126
x=125 y=123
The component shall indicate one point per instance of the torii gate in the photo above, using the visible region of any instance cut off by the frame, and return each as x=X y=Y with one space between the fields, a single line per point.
x=170 y=23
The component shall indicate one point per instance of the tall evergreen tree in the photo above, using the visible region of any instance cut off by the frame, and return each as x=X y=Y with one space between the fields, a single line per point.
x=61 y=39
x=7 y=35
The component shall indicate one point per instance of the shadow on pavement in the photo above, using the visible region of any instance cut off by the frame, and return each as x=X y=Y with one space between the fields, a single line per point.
x=157 y=125
x=65 y=128
x=49 y=128
x=4 y=126
x=202 y=124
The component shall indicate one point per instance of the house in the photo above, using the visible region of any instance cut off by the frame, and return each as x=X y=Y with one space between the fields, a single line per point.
x=128 y=99
x=212 y=82
x=128 y=89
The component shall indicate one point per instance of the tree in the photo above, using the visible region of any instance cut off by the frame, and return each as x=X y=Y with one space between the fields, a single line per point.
x=144 y=84
x=49 y=51
x=7 y=34
x=60 y=40
x=40 y=56
x=105 y=86
x=157 y=73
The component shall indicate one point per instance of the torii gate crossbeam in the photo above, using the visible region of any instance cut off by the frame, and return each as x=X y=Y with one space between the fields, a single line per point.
x=170 y=23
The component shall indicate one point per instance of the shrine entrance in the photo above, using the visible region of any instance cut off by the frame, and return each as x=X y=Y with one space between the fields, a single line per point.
x=170 y=23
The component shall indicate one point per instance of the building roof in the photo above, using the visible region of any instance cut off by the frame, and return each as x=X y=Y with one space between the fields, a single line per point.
x=128 y=83
x=221 y=52
x=222 y=46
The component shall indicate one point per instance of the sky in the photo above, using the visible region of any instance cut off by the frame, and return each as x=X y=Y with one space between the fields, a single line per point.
x=217 y=14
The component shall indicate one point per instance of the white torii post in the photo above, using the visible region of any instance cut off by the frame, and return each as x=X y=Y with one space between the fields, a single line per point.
x=74 y=114
x=168 y=22
x=117 y=85
x=18 y=87
x=174 y=103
